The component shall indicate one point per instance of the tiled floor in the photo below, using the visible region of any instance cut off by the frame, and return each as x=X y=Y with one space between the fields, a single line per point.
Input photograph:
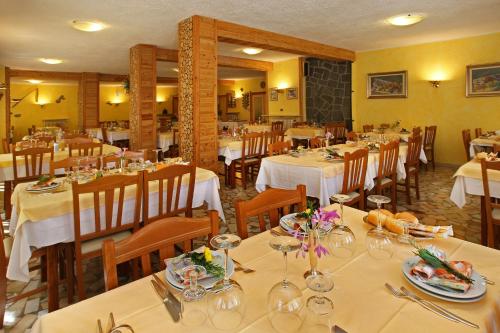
x=434 y=207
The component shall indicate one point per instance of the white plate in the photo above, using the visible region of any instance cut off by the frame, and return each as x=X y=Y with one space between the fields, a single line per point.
x=52 y=186
x=208 y=283
x=287 y=222
x=475 y=293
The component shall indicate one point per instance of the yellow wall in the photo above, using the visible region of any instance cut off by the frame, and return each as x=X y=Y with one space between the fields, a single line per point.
x=165 y=96
x=284 y=74
x=3 y=134
x=248 y=85
x=32 y=114
x=446 y=106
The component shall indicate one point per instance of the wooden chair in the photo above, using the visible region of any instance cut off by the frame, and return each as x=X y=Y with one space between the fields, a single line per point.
x=384 y=125
x=85 y=149
x=429 y=138
x=273 y=202
x=316 y=142
x=271 y=137
x=251 y=152
x=70 y=163
x=160 y=236
x=277 y=126
x=5 y=146
x=491 y=204
x=479 y=132
x=353 y=184
x=387 y=171
x=47 y=139
x=77 y=141
x=279 y=148
x=75 y=135
x=467 y=139
x=173 y=149
x=367 y=128
x=338 y=131
x=416 y=131
x=299 y=123
x=351 y=136
x=128 y=155
x=412 y=166
x=90 y=231
x=33 y=163
x=496 y=149
x=169 y=181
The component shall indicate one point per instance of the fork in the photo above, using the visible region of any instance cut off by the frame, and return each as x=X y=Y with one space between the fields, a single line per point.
x=488 y=281
x=240 y=267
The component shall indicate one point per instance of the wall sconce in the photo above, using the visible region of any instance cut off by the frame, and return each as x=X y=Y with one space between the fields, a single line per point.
x=239 y=94
x=435 y=83
x=279 y=90
x=42 y=104
x=113 y=103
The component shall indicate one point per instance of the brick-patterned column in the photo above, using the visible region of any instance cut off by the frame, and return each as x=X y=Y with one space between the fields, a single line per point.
x=89 y=101
x=198 y=91
x=142 y=97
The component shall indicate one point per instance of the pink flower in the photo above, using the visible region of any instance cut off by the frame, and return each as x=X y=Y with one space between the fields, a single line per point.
x=302 y=251
x=328 y=135
x=320 y=250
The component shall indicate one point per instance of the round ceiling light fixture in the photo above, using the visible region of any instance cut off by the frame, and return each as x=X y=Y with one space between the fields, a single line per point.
x=176 y=69
x=405 y=20
x=88 y=26
x=251 y=50
x=33 y=81
x=51 y=61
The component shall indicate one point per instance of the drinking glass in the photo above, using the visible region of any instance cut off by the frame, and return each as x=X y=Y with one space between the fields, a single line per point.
x=341 y=238
x=194 y=302
x=226 y=302
x=320 y=307
x=284 y=300
x=378 y=242
x=157 y=155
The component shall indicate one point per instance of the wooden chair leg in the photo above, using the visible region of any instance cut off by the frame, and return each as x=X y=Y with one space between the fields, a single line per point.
x=70 y=271
x=52 y=278
x=417 y=189
x=244 y=176
x=394 y=196
x=6 y=199
x=79 y=279
x=407 y=185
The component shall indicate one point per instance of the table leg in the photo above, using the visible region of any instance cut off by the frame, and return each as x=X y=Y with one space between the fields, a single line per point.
x=7 y=205
x=52 y=278
x=484 y=226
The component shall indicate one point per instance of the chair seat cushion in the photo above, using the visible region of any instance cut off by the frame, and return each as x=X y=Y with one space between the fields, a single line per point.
x=352 y=196
x=386 y=181
x=411 y=169
x=7 y=245
x=96 y=244
x=248 y=161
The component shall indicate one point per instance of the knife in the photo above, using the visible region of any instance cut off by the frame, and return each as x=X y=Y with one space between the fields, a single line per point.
x=165 y=287
x=337 y=329
x=172 y=309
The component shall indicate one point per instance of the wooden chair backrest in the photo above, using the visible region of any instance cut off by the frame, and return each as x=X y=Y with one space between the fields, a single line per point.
x=128 y=155
x=5 y=146
x=279 y=148
x=466 y=139
x=272 y=137
x=351 y=136
x=77 y=140
x=46 y=138
x=316 y=142
x=252 y=145
x=337 y=129
x=277 y=126
x=367 y=128
x=384 y=125
x=355 y=164
x=479 y=132
x=73 y=163
x=85 y=149
x=416 y=131
x=272 y=202
x=75 y=135
x=103 y=192
x=170 y=204
x=160 y=236
x=388 y=160
x=414 y=148
x=430 y=136
x=33 y=162
x=490 y=202
x=104 y=132
x=300 y=123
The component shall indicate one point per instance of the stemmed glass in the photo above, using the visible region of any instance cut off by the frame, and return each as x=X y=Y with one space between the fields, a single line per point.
x=284 y=300
x=378 y=242
x=341 y=238
x=320 y=307
x=157 y=154
x=193 y=300
x=226 y=302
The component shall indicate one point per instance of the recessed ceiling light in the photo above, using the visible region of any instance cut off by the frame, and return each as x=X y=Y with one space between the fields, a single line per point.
x=405 y=20
x=175 y=69
x=88 y=26
x=251 y=50
x=51 y=61
x=33 y=81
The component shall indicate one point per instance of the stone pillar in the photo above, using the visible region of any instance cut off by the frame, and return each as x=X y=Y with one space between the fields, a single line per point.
x=89 y=101
x=198 y=91
x=142 y=97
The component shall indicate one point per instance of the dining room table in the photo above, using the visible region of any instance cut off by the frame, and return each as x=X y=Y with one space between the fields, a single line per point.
x=483 y=143
x=361 y=301
x=322 y=177
x=165 y=140
x=95 y=132
x=117 y=134
x=257 y=128
x=304 y=132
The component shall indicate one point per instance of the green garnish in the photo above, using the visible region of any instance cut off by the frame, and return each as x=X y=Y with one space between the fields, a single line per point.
x=435 y=262
x=213 y=269
x=43 y=179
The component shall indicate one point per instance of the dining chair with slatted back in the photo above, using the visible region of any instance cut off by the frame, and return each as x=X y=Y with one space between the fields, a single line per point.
x=387 y=171
x=466 y=138
x=479 y=132
x=353 y=184
x=75 y=136
x=271 y=137
x=316 y=142
x=351 y=136
x=367 y=128
x=100 y=213
x=85 y=149
x=73 y=163
x=273 y=202
x=299 y=124
x=338 y=131
x=279 y=148
x=416 y=131
x=174 y=188
x=46 y=138
x=491 y=204
x=161 y=237
x=428 y=144
x=251 y=152
x=277 y=126
x=385 y=125
x=412 y=167
x=33 y=160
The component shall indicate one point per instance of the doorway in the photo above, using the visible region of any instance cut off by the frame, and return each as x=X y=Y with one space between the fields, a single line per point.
x=257 y=106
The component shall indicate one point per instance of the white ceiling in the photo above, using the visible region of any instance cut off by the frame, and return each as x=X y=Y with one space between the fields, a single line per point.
x=31 y=29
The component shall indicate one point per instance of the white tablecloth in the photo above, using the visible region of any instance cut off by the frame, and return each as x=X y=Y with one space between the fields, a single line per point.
x=303 y=133
x=95 y=132
x=165 y=140
x=322 y=178
x=230 y=125
x=230 y=149
x=257 y=128
x=478 y=145
x=59 y=229
x=118 y=135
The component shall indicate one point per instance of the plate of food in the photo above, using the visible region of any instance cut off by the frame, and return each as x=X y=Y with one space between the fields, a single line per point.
x=454 y=281
x=44 y=183
x=208 y=263
x=292 y=222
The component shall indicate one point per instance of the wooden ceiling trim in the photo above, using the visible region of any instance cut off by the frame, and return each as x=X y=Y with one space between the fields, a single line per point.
x=167 y=55
x=121 y=78
x=226 y=61
x=45 y=75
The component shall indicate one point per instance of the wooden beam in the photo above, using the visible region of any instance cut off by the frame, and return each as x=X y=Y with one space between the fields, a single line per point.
x=239 y=34
x=226 y=61
x=225 y=82
x=167 y=55
x=167 y=80
x=45 y=75
x=121 y=78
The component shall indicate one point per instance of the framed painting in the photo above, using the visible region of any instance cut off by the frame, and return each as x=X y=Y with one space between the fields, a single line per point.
x=274 y=94
x=387 y=85
x=483 y=80
x=291 y=93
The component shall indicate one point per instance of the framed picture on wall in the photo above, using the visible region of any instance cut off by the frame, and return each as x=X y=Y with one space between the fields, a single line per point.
x=274 y=94
x=291 y=93
x=483 y=80
x=387 y=85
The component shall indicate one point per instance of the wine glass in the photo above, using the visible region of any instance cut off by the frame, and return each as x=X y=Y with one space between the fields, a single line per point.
x=284 y=300
x=378 y=242
x=226 y=302
x=320 y=307
x=341 y=238
x=193 y=299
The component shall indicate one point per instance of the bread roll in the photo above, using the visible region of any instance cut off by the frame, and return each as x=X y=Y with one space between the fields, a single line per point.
x=406 y=216
x=373 y=217
x=387 y=220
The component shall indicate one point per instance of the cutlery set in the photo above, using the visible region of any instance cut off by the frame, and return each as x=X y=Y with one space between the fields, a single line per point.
x=111 y=326
x=172 y=304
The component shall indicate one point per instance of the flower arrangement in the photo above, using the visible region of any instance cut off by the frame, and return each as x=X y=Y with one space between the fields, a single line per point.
x=328 y=136
x=396 y=124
